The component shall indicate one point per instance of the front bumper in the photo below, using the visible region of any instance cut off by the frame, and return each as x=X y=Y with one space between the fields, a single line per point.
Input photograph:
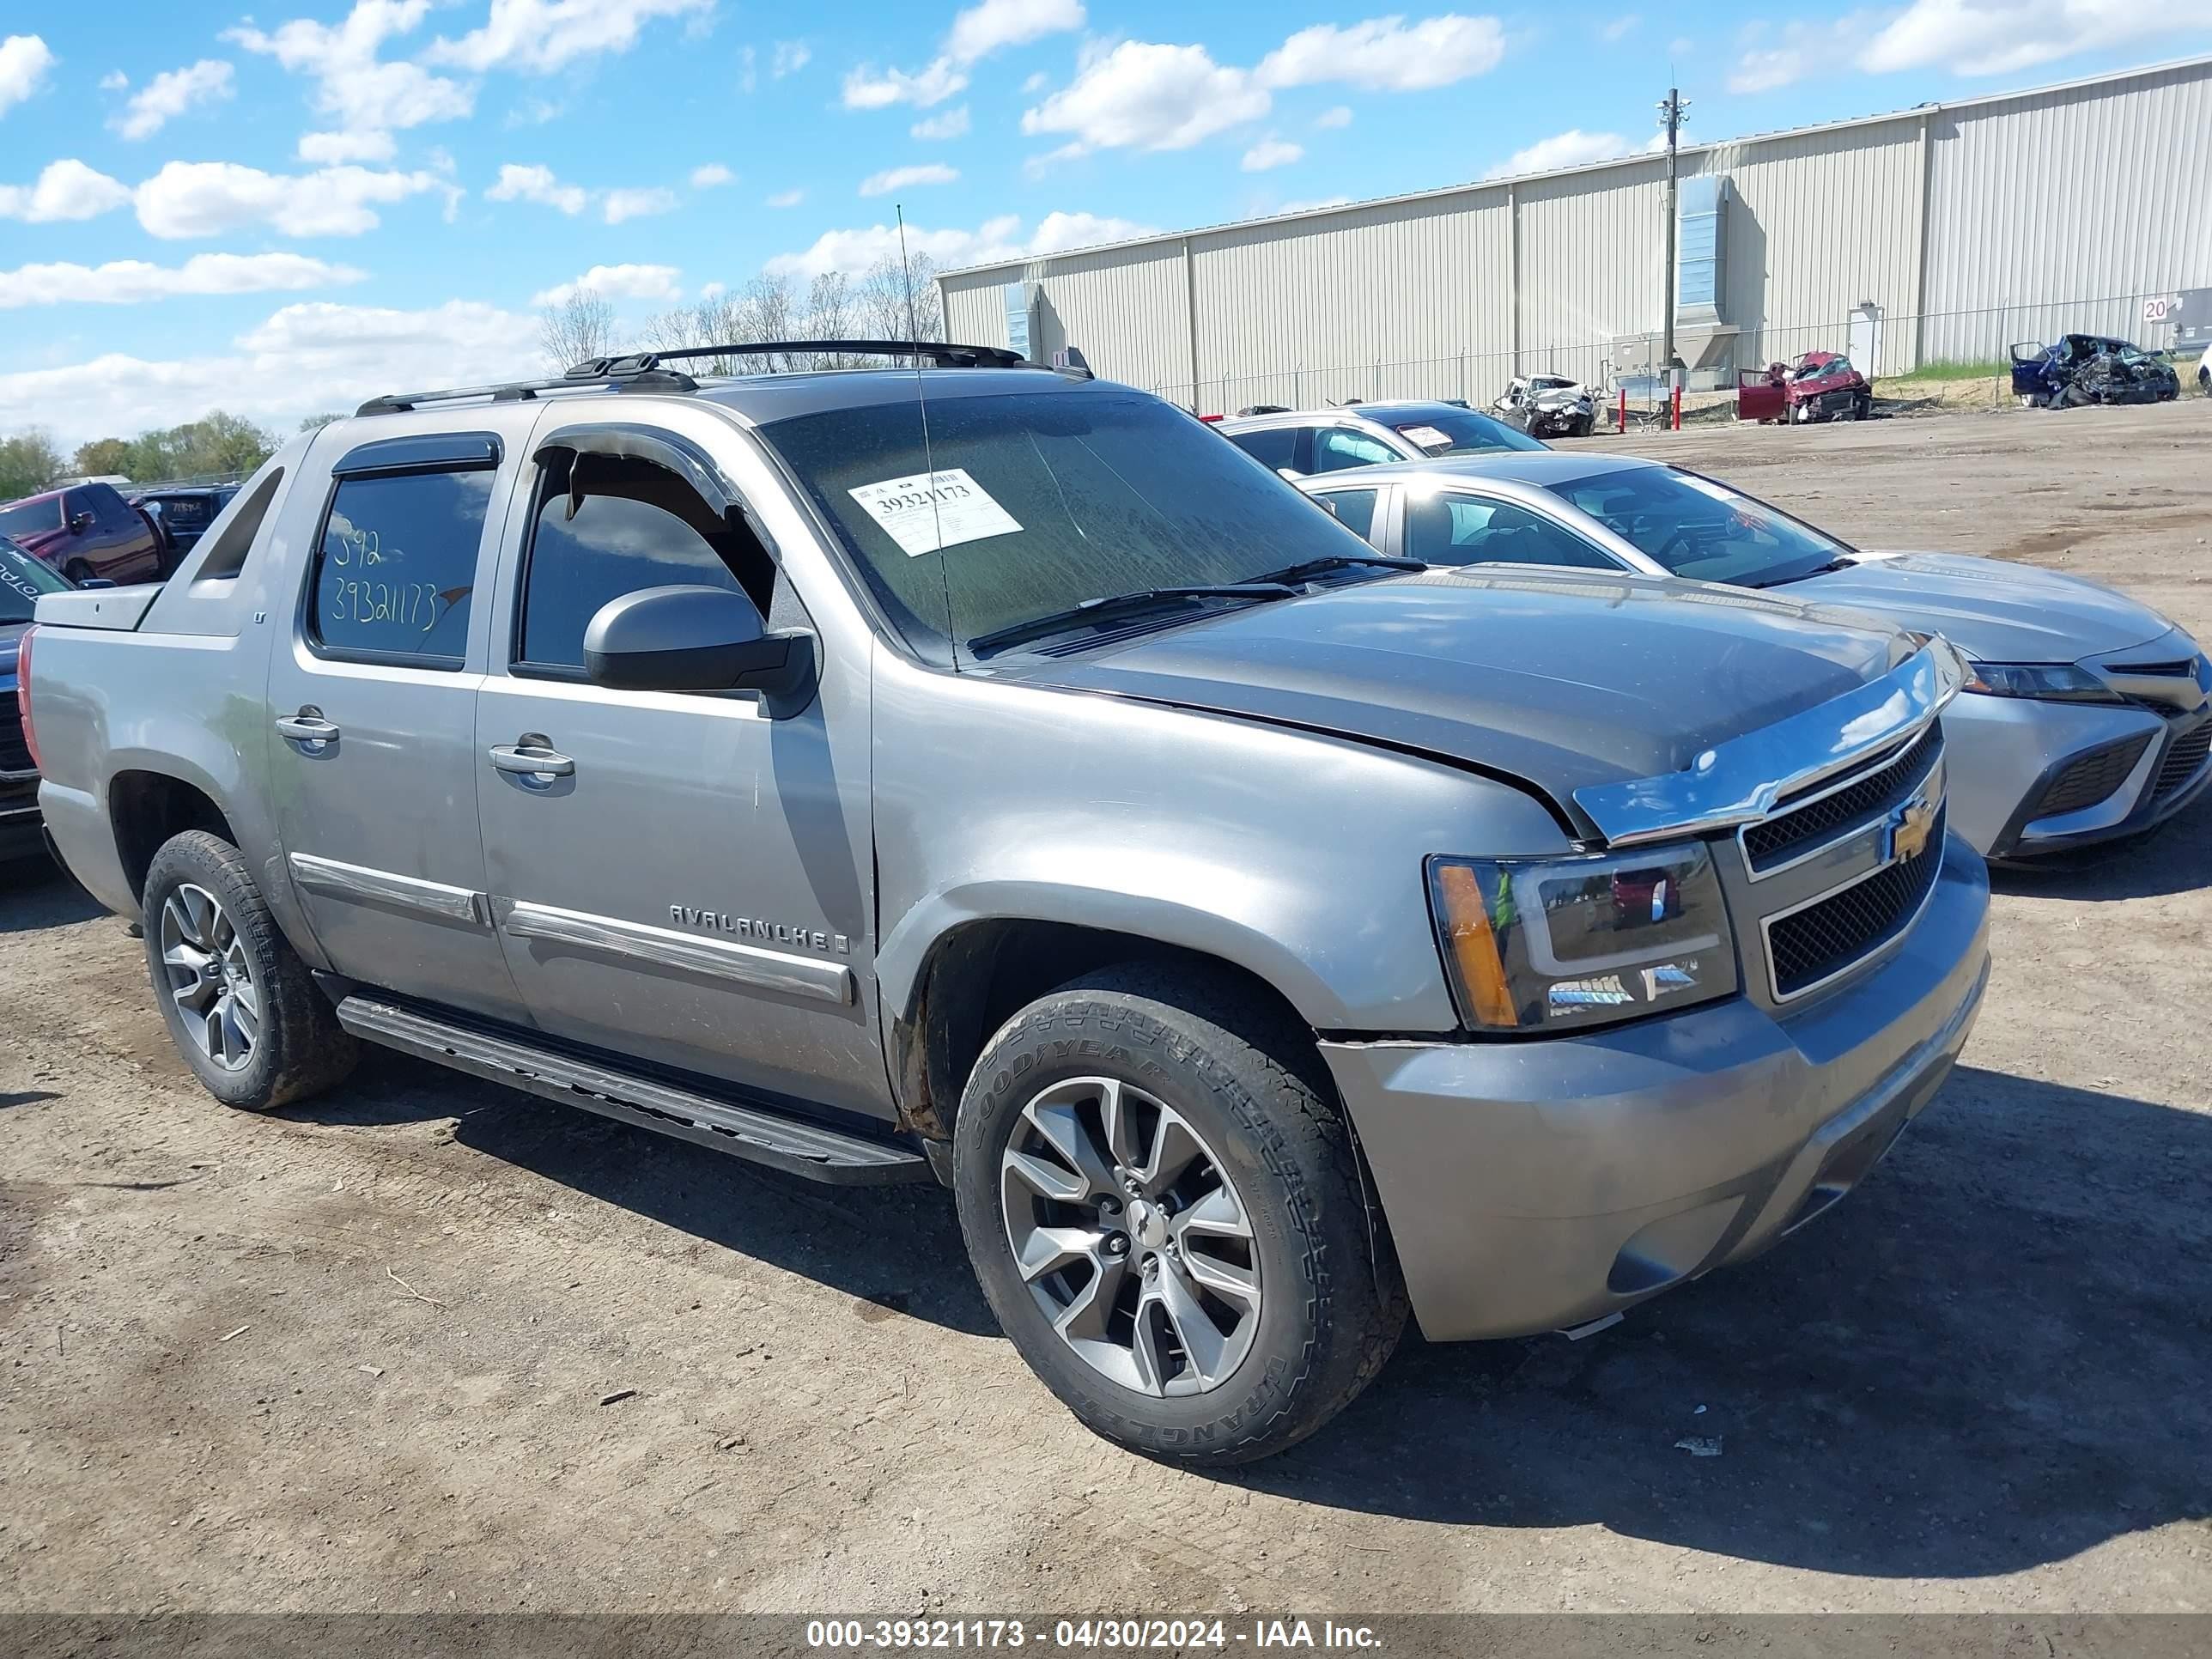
x=2003 y=752
x=1537 y=1186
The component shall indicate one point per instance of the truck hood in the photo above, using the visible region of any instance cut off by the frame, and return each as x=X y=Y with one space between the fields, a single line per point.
x=1991 y=609
x=1557 y=681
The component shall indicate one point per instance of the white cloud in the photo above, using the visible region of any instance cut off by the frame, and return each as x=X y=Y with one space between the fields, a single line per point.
x=748 y=74
x=1615 y=28
x=712 y=176
x=1272 y=152
x=331 y=148
x=204 y=198
x=1143 y=96
x=545 y=35
x=638 y=203
x=941 y=79
x=1385 y=54
x=534 y=113
x=892 y=179
x=303 y=359
x=617 y=283
x=1983 y=37
x=114 y=81
x=1036 y=83
x=786 y=198
x=791 y=57
x=173 y=92
x=1000 y=238
x=976 y=33
x=951 y=125
x=353 y=84
x=538 y=184
x=713 y=290
x=129 y=281
x=1764 y=69
x=67 y=190
x=1338 y=117
x=983 y=29
x=24 y=61
x=1570 y=148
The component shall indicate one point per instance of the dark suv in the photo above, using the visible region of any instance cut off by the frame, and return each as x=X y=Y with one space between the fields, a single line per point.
x=86 y=530
x=23 y=580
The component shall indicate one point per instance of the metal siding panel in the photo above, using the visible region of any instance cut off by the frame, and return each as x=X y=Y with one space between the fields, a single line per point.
x=2060 y=211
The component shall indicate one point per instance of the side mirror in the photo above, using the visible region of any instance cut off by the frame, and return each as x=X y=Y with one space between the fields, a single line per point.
x=80 y=523
x=91 y=582
x=697 y=639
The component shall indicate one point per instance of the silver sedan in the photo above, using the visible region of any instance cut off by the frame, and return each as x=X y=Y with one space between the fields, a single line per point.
x=2089 y=717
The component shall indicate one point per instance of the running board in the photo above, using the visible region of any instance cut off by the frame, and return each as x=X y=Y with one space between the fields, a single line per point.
x=804 y=1149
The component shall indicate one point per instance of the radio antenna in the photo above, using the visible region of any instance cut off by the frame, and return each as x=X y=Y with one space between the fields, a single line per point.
x=929 y=457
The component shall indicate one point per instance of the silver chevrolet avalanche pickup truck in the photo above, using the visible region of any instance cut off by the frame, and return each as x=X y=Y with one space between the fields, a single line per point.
x=985 y=772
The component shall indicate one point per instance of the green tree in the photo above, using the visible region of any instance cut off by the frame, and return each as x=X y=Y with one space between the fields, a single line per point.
x=317 y=422
x=101 y=457
x=28 y=463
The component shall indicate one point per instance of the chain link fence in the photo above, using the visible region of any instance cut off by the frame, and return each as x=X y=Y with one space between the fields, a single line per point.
x=1937 y=346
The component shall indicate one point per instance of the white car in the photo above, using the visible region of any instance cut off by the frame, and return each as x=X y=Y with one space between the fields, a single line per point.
x=1548 y=406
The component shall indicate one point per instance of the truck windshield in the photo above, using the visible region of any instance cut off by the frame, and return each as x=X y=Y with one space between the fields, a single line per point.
x=22 y=579
x=1042 y=501
x=1701 y=529
x=31 y=518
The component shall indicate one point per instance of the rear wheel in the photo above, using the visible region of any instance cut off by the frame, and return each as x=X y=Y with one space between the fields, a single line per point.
x=239 y=1002
x=1169 y=1218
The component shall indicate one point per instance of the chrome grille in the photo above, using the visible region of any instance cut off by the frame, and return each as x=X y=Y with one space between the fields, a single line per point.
x=1807 y=947
x=1795 y=830
x=2182 y=760
x=2092 y=777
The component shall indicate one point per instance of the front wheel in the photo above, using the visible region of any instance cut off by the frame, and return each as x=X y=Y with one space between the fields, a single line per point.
x=239 y=1002
x=1169 y=1218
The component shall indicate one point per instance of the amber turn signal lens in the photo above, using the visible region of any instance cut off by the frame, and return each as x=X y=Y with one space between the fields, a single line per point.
x=1474 y=946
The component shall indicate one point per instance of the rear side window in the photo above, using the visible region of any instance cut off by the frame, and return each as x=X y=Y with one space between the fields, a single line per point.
x=396 y=565
x=1274 y=446
x=1467 y=530
x=226 y=557
x=1354 y=509
x=1337 y=447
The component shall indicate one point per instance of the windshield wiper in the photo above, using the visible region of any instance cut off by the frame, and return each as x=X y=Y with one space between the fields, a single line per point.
x=1307 y=569
x=1122 y=604
x=1799 y=576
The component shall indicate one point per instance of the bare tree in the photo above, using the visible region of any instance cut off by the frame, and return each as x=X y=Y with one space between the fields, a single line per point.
x=899 y=301
x=580 y=327
x=830 y=311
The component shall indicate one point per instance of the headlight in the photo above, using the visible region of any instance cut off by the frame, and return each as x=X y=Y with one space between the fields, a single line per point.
x=1537 y=945
x=2057 y=681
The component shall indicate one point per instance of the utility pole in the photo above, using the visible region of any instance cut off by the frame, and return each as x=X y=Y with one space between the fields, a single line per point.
x=1670 y=117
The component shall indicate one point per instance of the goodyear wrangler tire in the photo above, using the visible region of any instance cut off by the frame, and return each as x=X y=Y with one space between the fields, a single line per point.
x=239 y=1002
x=1168 y=1216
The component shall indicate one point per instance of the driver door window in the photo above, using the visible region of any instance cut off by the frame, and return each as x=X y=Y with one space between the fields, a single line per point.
x=1336 y=447
x=1470 y=530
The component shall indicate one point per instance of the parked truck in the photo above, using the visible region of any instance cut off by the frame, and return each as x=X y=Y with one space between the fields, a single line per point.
x=983 y=772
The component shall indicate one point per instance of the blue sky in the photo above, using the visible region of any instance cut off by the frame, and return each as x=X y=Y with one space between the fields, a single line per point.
x=286 y=210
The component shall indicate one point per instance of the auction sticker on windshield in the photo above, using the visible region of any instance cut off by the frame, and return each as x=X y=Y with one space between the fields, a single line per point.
x=927 y=511
x=1427 y=437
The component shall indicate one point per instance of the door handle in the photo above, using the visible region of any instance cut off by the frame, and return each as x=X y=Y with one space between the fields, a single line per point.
x=532 y=759
x=307 y=727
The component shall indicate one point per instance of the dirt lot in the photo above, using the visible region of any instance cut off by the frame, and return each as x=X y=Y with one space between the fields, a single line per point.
x=360 y=1356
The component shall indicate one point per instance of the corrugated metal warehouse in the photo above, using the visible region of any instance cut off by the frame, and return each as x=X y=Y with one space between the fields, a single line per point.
x=1939 y=233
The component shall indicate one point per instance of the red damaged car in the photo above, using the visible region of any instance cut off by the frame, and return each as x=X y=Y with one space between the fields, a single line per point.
x=1821 y=386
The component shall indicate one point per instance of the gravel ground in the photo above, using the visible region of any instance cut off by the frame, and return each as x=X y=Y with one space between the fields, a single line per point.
x=379 y=1351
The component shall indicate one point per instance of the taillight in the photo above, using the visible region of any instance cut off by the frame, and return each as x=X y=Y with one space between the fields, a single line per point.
x=23 y=693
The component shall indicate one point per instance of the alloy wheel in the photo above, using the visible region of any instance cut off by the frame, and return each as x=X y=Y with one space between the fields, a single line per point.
x=1131 y=1237
x=211 y=978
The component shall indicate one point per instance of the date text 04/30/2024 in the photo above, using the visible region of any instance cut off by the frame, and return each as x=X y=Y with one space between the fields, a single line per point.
x=1088 y=1635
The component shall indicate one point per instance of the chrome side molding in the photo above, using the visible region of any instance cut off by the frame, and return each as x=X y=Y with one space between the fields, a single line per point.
x=364 y=885
x=1741 y=781
x=664 y=947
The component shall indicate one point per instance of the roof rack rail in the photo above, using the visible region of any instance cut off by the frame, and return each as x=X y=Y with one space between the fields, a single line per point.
x=643 y=370
x=646 y=378
x=939 y=354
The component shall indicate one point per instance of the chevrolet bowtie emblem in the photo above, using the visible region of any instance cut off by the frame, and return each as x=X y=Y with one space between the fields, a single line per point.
x=1910 y=827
